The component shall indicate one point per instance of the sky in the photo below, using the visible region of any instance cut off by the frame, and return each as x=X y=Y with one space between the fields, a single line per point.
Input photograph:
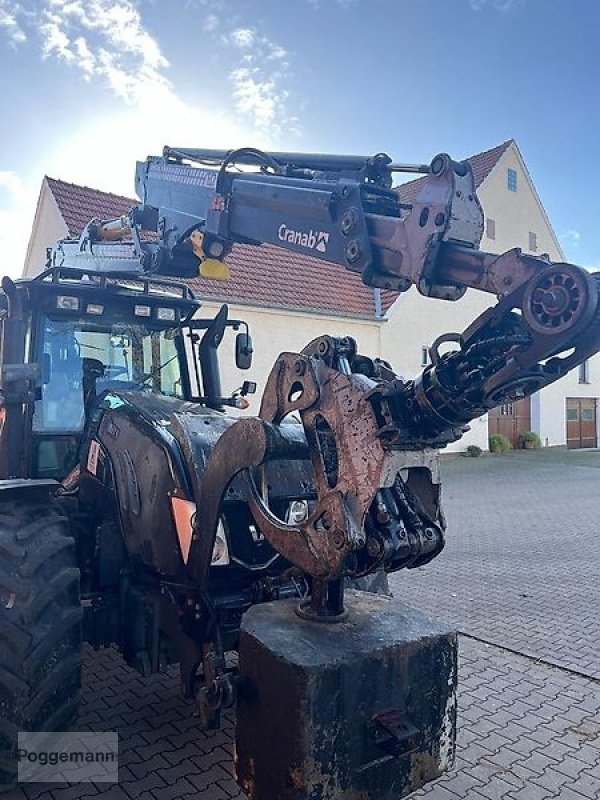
x=91 y=86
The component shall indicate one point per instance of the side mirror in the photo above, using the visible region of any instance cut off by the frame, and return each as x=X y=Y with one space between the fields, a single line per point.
x=243 y=351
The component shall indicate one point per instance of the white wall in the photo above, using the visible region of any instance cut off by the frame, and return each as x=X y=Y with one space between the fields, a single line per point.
x=275 y=331
x=416 y=321
x=553 y=425
x=48 y=226
x=515 y=213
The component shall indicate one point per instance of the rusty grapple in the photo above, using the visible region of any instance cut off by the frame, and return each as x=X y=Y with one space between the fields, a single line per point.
x=373 y=437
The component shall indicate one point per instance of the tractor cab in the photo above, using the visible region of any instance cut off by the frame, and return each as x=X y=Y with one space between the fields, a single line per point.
x=84 y=334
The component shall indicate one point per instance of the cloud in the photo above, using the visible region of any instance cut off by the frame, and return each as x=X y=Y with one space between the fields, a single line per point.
x=343 y=4
x=502 y=6
x=11 y=183
x=17 y=206
x=260 y=80
x=10 y=26
x=570 y=238
x=258 y=68
x=131 y=62
x=106 y=42
x=243 y=37
x=105 y=39
x=211 y=23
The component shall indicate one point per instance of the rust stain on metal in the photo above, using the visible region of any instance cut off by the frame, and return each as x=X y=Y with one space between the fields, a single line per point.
x=297 y=778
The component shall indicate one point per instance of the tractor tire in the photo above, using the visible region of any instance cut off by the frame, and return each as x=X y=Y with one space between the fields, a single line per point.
x=40 y=626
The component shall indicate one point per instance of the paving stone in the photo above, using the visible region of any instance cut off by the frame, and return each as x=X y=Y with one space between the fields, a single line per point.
x=530 y=792
x=461 y=783
x=441 y=792
x=537 y=762
x=496 y=789
x=155 y=764
x=570 y=766
x=519 y=776
x=138 y=787
x=173 y=791
x=588 y=754
x=551 y=780
x=586 y=785
x=527 y=730
x=104 y=791
x=494 y=742
x=529 y=591
x=231 y=788
x=569 y=793
x=558 y=750
x=203 y=780
x=505 y=757
x=41 y=791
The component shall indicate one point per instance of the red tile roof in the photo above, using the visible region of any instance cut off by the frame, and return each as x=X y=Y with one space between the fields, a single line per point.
x=481 y=163
x=268 y=275
x=79 y=204
x=265 y=275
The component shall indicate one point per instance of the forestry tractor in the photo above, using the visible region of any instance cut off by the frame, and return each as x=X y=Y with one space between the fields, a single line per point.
x=136 y=512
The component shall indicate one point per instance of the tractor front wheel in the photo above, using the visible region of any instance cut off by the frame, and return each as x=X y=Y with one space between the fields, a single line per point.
x=40 y=626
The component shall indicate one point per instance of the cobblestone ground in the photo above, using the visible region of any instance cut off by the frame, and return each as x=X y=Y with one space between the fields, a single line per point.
x=521 y=567
x=519 y=578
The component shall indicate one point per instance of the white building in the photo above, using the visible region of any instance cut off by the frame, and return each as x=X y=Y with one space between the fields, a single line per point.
x=288 y=299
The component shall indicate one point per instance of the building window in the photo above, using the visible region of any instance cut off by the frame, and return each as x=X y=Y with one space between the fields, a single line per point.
x=533 y=242
x=425 y=356
x=490 y=228
x=506 y=410
x=584 y=372
x=511 y=180
x=572 y=415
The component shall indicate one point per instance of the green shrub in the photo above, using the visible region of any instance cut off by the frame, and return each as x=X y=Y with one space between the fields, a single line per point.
x=473 y=451
x=499 y=443
x=530 y=439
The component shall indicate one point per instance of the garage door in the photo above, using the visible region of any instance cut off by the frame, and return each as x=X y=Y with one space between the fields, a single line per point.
x=581 y=422
x=511 y=420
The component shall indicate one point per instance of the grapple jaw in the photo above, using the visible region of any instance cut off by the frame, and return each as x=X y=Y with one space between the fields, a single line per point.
x=356 y=477
x=375 y=506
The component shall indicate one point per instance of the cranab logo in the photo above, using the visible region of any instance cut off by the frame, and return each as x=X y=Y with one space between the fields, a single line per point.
x=312 y=240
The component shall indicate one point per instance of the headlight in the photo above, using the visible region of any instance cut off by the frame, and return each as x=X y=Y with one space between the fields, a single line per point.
x=165 y=314
x=66 y=303
x=297 y=512
x=183 y=513
x=220 y=553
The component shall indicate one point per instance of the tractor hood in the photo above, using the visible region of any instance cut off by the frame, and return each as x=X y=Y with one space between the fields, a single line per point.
x=153 y=448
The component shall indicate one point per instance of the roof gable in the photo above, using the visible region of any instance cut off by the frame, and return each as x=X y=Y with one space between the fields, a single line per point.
x=534 y=191
x=263 y=276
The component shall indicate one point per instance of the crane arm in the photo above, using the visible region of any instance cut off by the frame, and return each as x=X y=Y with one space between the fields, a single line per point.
x=365 y=426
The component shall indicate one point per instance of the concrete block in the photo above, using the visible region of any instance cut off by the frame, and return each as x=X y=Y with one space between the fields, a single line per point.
x=364 y=709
